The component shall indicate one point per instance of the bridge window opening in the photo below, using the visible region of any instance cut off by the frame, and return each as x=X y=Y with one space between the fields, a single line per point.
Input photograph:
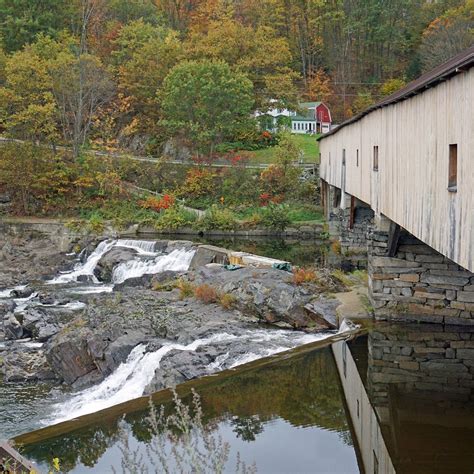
x=376 y=158
x=357 y=157
x=453 y=168
x=343 y=157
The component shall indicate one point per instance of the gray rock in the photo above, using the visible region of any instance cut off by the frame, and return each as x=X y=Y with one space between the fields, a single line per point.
x=12 y=327
x=115 y=256
x=208 y=254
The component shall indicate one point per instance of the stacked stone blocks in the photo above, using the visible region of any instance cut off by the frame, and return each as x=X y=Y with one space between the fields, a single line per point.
x=418 y=283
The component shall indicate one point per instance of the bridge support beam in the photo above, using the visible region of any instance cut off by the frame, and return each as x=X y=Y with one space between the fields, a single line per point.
x=408 y=280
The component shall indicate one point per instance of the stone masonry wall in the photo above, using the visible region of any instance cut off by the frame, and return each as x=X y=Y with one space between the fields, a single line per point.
x=353 y=241
x=418 y=283
x=432 y=359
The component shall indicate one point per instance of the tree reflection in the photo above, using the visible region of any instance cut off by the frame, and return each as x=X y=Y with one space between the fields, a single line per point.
x=247 y=427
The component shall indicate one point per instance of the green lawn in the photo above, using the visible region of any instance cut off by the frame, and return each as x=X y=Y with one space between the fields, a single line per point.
x=308 y=144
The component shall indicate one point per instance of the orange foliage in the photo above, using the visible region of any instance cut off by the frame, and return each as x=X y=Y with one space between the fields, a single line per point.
x=206 y=293
x=157 y=204
x=304 y=275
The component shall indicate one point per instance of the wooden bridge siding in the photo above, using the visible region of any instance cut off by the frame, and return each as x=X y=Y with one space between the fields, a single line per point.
x=413 y=137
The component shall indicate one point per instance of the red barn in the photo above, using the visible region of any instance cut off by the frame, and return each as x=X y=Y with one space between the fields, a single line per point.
x=323 y=118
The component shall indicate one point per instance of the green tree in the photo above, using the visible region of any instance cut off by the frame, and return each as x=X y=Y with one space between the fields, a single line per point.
x=206 y=102
x=22 y=20
x=259 y=53
x=362 y=102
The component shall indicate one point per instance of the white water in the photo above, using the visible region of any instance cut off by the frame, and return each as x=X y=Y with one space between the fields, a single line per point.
x=86 y=268
x=144 y=247
x=177 y=260
x=8 y=292
x=133 y=376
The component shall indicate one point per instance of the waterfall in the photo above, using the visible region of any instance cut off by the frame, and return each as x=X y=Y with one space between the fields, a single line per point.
x=177 y=260
x=131 y=378
x=144 y=247
x=86 y=268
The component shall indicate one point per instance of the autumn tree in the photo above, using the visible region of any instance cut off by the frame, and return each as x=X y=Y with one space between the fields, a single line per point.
x=144 y=55
x=206 y=103
x=81 y=85
x=447 y=35
x=362 y=102
x=260 y=54
x=390 y=86
x=27 y=107
x=319 y=86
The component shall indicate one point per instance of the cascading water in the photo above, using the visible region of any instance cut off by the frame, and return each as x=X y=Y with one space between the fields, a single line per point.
x=133 y=376
x=144 y=247
x=7 y=293
x=87 y=268
x=177 y=260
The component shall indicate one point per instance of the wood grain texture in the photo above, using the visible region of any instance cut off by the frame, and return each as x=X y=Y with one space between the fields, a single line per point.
x=411 y=186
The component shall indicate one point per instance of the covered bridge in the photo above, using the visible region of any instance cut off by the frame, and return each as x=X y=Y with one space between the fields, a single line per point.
x=410 y=158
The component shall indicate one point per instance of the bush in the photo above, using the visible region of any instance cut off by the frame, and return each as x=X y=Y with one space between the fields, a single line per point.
x=276 y=217
x=175 y=218
x=227 y=301
x=157 y=204
x=206 y=293
x=217 y=218
x=186 y=289
x=304 y=275
x=198 y=183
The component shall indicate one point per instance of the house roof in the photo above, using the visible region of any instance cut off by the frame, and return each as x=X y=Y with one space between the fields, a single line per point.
x=306 y=115
x=457 y=64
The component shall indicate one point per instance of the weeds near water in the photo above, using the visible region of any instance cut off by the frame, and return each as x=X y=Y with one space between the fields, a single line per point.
x=179 y=442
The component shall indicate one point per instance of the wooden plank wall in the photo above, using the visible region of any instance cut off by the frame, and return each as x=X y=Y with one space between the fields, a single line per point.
x=410 y=187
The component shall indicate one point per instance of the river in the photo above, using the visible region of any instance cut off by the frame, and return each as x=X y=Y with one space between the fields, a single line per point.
x=396 y=398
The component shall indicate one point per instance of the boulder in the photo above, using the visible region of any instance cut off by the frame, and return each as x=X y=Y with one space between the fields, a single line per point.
x=265 y=292
x=12 y=328
x=26 y=365
x=206 y=254
x=115 y=256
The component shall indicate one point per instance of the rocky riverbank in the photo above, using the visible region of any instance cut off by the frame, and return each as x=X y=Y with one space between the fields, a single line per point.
x=76 y=317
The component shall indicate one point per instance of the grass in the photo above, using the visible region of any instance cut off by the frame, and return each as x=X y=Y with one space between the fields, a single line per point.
x=296 y=213
x=308 y=144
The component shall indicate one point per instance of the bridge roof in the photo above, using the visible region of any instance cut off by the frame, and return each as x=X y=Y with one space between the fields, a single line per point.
x=455 y=65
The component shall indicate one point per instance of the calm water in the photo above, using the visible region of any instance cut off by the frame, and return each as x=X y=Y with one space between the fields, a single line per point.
x=298 y=252
x=398 y=399
x=286 y=417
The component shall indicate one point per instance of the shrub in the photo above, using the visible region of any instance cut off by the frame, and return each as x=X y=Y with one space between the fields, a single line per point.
x=217 y=218
x=157 y=204
x=186 y=289
x=175 y=218
x=206 y=293
x=198 y=183
x=304 y=275
x=227 y=301
x=276 y=216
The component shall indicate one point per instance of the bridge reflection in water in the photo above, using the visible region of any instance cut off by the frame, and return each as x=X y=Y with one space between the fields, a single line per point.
x=409 y=408
x=410 y=396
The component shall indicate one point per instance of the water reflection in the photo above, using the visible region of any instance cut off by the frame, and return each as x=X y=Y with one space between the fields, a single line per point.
x=287 y=416
x=410 y=393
